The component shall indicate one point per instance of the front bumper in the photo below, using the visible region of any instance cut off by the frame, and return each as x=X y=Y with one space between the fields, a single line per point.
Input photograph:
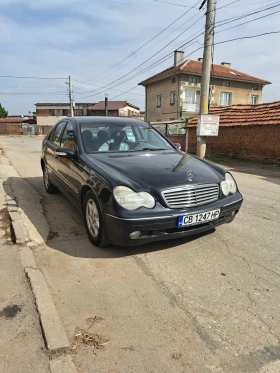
x=165 y=226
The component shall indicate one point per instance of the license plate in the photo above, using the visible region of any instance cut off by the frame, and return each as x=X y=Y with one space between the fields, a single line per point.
x=201 y=218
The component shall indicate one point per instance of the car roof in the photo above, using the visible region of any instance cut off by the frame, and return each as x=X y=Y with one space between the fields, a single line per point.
x=110 y=120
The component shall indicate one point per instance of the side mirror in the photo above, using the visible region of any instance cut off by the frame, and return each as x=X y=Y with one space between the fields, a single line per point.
x=64 y=152
x=177 y=145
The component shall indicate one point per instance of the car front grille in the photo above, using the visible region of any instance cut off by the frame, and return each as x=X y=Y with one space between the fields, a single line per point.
x=191 y=195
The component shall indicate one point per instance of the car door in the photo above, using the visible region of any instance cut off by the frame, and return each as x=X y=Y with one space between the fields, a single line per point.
x=64 y=166
x=52 y=143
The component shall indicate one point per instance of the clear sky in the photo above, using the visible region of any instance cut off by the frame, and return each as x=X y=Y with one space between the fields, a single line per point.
x=88 y=39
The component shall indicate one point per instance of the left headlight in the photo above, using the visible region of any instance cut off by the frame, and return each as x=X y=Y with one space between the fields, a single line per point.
x=228 y=185
x=131 y=200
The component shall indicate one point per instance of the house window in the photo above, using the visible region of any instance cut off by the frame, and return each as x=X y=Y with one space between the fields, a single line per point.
x=172 y=97
x=172 y=118
x=159 y=99
x=52 y=112
x=226 y=84
x=193 y=79
x=173 y=80
x=255 y=88
x=63 y=112
x=225 y=98
x=191 y=96
x=254 y=99
x=84 y=111
x=76 y=112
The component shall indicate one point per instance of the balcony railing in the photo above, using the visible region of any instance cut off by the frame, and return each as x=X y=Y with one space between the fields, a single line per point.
x=194 y=108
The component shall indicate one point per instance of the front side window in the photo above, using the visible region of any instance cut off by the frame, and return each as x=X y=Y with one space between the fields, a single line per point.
x=117 y=137
x=172 y=97
x=52 y=112
x=225 y=98
x=67 y=140
x=159 y=99
x=193 y=79
x=254 y=99
x=55 y=138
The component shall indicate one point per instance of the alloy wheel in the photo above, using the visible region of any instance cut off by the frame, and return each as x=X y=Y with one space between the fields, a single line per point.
x=46 y=178
x=92 y=218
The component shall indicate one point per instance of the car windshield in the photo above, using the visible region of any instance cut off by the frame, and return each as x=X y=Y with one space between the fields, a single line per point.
x=117 y=137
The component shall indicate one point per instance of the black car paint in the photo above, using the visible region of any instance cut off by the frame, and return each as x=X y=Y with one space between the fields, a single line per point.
x=142 y=171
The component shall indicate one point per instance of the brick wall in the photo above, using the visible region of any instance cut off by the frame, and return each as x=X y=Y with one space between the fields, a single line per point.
x=179 y=139
x=10 y=129
x=259 y=143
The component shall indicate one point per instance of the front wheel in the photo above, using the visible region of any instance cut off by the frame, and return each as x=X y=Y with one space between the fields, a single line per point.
x=94 y=220
x=50 y=188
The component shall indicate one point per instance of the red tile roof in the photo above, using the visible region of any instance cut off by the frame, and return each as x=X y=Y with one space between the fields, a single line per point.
x=15 y=119
x=112 y=105
x=195 y=67
x=245 y=115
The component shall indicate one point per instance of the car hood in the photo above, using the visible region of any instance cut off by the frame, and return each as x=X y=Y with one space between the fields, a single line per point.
x=154 y=171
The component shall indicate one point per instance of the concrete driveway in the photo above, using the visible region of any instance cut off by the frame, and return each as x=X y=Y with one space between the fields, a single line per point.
x=204 y=304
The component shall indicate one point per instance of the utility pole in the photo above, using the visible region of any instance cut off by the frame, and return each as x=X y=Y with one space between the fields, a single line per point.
x=71 y=97
x=106 y=105
x=206 y=70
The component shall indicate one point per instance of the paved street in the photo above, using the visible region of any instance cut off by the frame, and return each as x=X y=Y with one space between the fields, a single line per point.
x=207 y=304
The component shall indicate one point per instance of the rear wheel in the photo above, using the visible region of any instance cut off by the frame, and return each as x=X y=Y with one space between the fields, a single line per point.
x=50 y=188
x=94 y=220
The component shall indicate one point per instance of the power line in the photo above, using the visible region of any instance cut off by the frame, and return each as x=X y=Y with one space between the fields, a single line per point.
x=227 y=41
x=118 y=90
x=166 y=2
x=148 y=59
x=111 y=71
x=142 y=46
x=232 y=19
x=27 y=77
x=148 y=4
x=222 y=42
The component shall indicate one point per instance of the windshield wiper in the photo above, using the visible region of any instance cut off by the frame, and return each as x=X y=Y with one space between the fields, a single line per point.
x=152 y=149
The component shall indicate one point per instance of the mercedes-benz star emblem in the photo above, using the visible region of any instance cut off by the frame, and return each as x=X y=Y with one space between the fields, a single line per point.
x=190 y=175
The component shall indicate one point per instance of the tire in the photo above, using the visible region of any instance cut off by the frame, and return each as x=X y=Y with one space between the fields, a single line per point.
x=93 y=219
x=50 y=188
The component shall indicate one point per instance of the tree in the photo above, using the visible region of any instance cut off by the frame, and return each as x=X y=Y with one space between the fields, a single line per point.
x=3 y=112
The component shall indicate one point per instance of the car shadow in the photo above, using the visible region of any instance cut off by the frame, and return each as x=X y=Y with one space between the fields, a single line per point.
x=61 y=225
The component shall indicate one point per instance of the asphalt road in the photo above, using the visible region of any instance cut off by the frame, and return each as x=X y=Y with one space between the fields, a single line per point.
x=205 y=304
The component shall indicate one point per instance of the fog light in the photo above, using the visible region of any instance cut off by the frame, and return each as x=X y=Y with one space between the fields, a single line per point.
x=134 y=235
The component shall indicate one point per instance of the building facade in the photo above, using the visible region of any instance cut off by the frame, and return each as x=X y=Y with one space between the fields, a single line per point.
x=175 y=92
x=115 y=109
x=48 y=114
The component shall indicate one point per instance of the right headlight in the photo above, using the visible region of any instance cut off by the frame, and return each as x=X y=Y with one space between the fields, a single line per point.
x=131 y=200
x=228 y=185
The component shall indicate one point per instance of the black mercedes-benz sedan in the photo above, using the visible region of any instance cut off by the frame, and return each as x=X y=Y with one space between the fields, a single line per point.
x=131 y=184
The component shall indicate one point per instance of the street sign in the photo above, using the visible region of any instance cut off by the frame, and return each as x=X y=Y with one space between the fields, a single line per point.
x=207 y=125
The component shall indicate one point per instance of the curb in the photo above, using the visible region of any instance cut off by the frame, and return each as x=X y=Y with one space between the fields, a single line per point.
x=54 y=334
x=53 y=331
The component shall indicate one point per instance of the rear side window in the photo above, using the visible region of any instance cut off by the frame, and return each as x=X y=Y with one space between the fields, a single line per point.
x=55 y=138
